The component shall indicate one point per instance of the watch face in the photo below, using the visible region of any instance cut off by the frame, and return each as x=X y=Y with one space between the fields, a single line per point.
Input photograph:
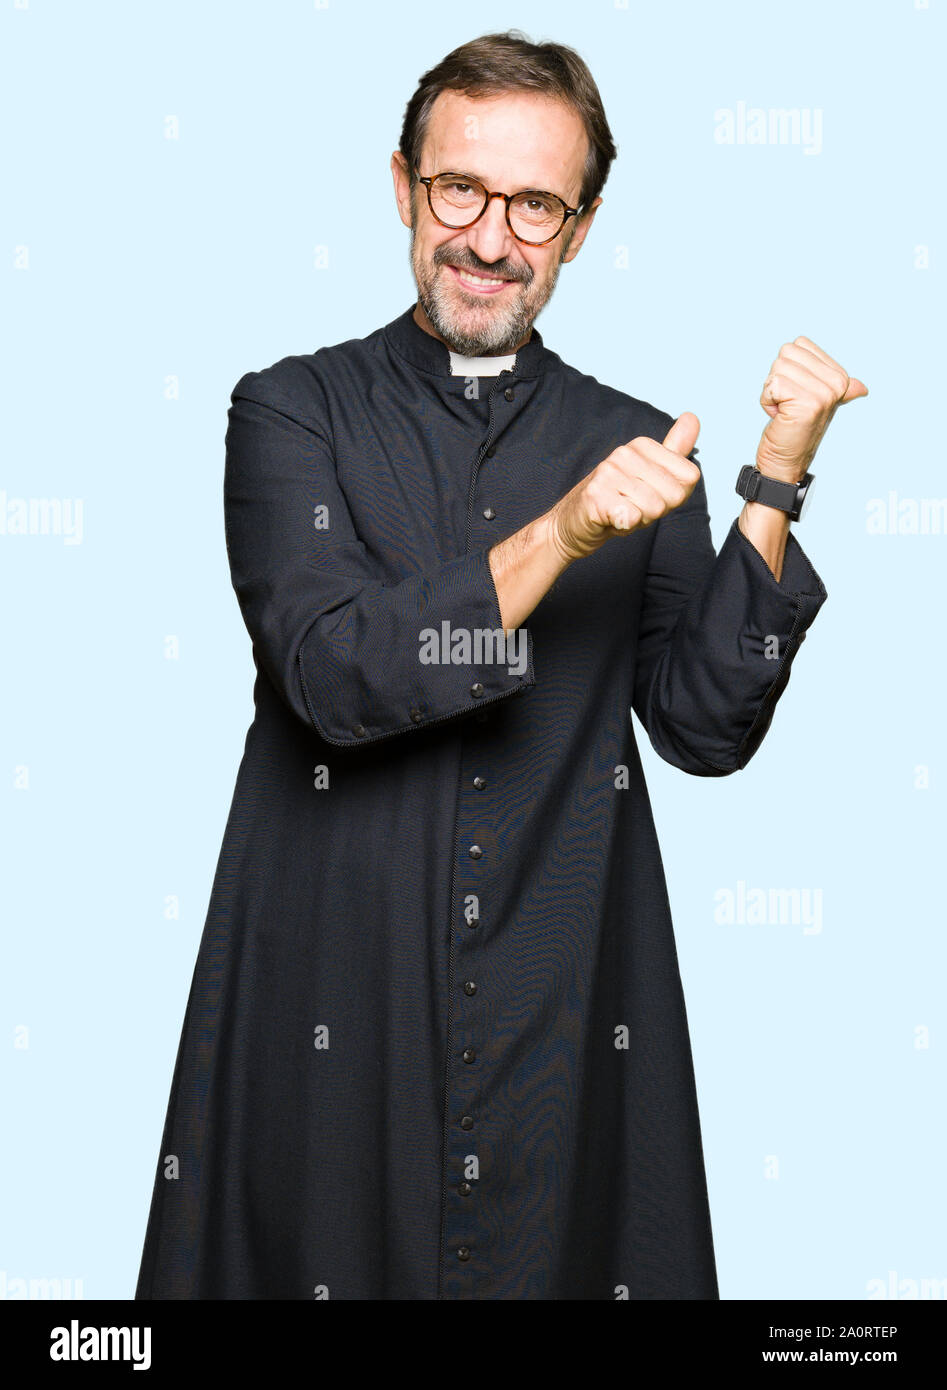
x=806 y=498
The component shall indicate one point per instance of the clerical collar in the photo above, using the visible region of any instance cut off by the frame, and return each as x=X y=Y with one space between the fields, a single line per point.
x=406 y=336
x=481 y=366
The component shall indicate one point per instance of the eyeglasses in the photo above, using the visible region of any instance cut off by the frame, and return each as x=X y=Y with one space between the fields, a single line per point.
x=533 y=216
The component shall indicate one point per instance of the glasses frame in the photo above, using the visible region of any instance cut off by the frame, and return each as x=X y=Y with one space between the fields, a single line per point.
x=507 y=198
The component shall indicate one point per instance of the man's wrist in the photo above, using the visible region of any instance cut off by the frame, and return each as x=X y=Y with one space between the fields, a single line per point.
x=782 y=473
x=551 y=538
x=525 y=566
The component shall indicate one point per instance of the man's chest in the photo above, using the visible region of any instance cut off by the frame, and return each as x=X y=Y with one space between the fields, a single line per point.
x=428 y=477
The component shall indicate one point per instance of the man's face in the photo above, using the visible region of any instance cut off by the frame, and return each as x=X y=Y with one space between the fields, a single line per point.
x=510 y=143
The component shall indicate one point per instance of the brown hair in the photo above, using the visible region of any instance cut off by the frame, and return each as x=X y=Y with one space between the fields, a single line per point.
x=498 y=63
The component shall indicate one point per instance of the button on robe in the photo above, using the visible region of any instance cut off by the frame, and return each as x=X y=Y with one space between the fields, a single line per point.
x=435 y=1045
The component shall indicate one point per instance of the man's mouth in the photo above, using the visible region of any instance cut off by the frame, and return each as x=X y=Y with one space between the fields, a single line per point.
x=478 y=284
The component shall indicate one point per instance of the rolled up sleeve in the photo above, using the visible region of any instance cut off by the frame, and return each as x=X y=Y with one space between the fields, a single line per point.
x=717 y=638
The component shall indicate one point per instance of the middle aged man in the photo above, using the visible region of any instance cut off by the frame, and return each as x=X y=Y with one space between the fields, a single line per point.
x=436 y=1044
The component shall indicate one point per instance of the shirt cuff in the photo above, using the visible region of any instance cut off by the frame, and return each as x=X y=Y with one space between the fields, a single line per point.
x=429 y=649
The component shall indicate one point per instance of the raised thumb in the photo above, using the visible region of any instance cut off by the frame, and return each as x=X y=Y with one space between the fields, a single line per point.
x=682 y=436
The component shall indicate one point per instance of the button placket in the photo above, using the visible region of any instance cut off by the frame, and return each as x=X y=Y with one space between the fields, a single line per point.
x=498 y=421
x=464 y=1250
x=476 y=841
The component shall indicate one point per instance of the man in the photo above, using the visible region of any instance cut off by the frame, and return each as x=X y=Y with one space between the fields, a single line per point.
x=436 y=1045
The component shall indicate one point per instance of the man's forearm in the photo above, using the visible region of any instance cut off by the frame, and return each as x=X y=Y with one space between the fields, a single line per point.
x=525 y=566
x=767 y=528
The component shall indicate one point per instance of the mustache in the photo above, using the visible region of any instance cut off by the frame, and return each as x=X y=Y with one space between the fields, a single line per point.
x=501 y=270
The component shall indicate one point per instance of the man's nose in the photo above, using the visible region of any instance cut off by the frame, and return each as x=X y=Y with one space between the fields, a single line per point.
x=490 y=237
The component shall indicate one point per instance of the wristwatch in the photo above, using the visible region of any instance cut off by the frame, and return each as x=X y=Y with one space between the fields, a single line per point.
x=788 y=497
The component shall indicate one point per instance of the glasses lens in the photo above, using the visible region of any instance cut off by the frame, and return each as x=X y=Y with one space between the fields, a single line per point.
x=536 y=216
x=457 y=201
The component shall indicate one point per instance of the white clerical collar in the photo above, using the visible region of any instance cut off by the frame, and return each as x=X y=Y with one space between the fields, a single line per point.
x=480 y=366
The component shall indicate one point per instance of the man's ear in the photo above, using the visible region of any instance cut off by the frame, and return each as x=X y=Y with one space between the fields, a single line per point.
x=582 y=225
x=402 y=181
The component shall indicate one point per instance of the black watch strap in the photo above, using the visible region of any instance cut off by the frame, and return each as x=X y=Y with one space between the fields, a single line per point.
x=755 y=486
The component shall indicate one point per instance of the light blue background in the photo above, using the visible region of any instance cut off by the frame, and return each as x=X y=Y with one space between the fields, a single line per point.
x=194 y=258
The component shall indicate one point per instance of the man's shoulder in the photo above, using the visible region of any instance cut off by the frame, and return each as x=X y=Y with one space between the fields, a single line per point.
x=300 y=380
x=629 y=415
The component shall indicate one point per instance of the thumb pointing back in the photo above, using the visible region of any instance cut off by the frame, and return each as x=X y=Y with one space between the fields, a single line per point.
x=682 y=436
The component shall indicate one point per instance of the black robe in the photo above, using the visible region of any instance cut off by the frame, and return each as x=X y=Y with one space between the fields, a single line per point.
x=436 y=1044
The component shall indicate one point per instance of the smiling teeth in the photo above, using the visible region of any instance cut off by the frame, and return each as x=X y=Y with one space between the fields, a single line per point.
x=478 y=279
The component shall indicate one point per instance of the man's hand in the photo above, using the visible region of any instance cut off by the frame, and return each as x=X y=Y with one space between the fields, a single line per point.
x=637 y=484
x=804 y=389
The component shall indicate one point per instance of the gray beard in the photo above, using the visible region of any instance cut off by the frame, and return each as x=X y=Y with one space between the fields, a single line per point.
x=500 y=332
